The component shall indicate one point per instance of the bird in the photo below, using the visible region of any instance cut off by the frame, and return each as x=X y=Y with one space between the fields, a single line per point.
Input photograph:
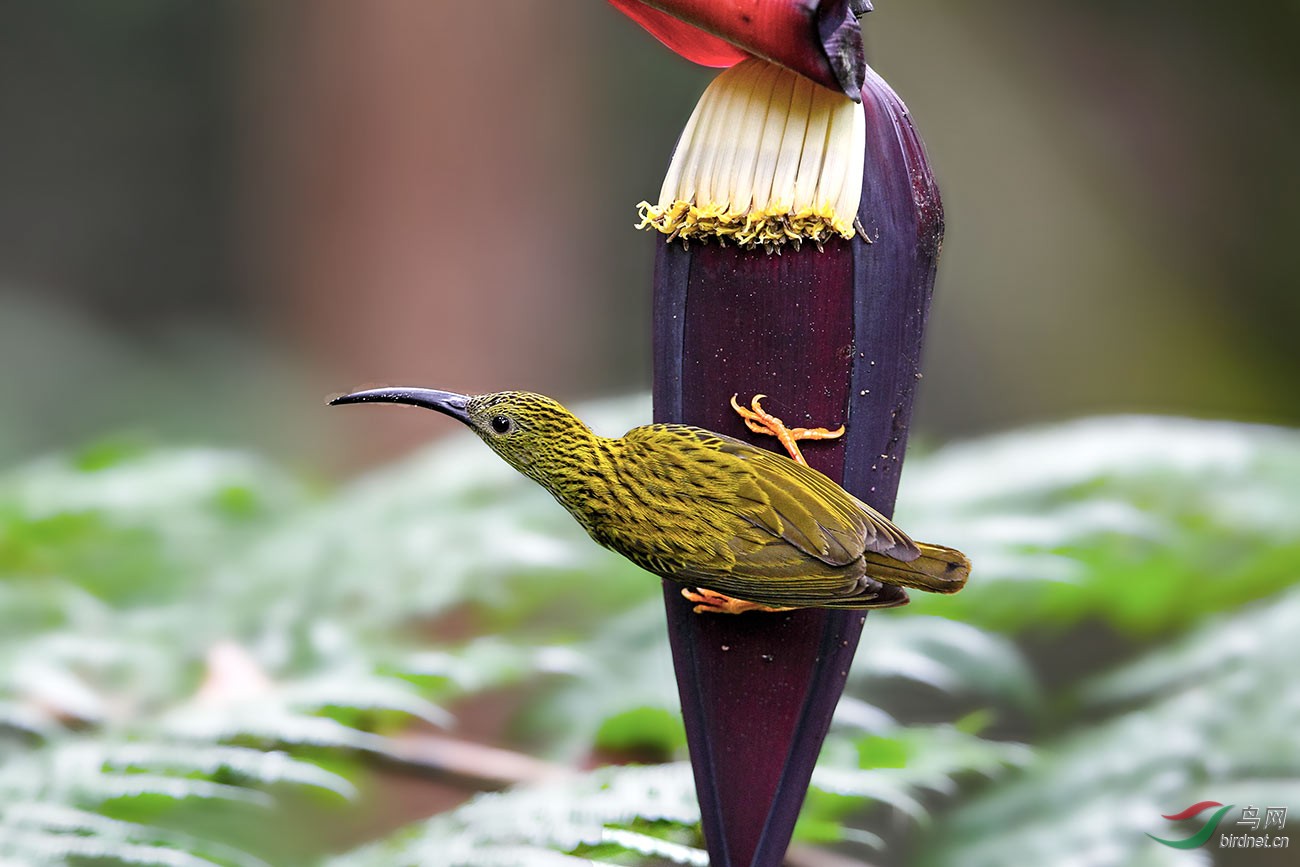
x=743 y=528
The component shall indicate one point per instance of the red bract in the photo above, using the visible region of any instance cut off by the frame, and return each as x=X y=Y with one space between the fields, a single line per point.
x=819 y=39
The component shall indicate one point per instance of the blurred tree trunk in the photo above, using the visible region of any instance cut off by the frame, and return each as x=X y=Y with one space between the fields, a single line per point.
x=413 y=194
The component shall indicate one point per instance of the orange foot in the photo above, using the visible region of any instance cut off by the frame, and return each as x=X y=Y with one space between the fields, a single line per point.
x=760 y=421
x=709 y=602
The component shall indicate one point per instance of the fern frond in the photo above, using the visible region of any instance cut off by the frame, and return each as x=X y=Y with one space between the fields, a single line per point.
x=26 y=718
x=919 y=758
x=460 y=853
x=1259 y=642
x=266 y=722
x=106 y=563
x=83 y=772
x=363 y=691
x=45 y=828
x=47 y=795
x=45 y=849
x=259 y=766
x=623 y=665
x=176 y=490
x=489 y=662
x=948 y=655
x=538 y=824
x=1114 y=517
x=44 y=683
x=1225 y=732
x=654 y=846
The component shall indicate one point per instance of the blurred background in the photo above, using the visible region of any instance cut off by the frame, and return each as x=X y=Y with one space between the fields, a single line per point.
x=216 y=215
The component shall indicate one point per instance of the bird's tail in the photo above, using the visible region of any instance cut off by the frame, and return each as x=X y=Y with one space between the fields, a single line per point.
x=937 y=570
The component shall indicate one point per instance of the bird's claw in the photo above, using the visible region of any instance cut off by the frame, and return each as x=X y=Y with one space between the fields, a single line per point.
x=761 y=421
x=710 y=602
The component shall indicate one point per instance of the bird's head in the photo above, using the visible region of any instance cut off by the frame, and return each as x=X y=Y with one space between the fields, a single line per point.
x=531 y=432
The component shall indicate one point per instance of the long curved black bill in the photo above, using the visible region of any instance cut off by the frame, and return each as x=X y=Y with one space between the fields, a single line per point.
x=446 y=402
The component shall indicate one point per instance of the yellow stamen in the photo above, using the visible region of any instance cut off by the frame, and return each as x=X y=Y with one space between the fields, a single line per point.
x=767 y=158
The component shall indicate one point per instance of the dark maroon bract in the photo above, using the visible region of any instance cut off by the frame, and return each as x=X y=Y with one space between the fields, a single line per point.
x=831 y=337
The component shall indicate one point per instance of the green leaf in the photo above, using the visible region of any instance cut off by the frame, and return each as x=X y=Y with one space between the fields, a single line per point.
x=534 y=824
x=1150 y=523
x=124 y=570
x=878 y=752
x=1214 y=721
x=645 y=728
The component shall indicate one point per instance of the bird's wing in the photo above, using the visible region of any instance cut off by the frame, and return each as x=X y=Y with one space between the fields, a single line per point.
x=812 y=512
x=779 y=532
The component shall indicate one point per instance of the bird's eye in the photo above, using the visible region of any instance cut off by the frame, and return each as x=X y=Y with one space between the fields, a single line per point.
x=502 y=424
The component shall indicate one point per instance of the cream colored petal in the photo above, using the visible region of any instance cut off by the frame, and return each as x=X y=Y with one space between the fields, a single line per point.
x=813 y=156
x=767 y=158
x=678 y=181
x=769 y=147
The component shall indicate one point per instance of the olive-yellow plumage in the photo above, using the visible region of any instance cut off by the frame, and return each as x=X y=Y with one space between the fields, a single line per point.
x=701 y=508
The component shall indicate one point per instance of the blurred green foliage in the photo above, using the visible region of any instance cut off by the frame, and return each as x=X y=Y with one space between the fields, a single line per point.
x=202 y=660
x=1147 y=524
